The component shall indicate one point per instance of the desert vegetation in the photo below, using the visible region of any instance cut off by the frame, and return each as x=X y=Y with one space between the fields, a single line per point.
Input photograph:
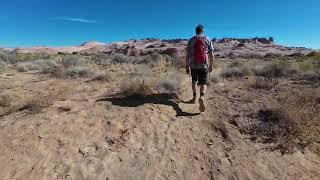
x=291 y=121
x=289 y=117
x=272 y=101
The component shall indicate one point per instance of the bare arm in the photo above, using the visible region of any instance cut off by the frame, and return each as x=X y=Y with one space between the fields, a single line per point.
x=187 y=59
x=211 y=59
x=211 y=56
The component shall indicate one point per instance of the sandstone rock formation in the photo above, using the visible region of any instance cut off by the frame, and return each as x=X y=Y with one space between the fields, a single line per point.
x=225 y=47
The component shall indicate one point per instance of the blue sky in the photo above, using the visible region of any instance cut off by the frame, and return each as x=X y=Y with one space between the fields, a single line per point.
x=69 y=22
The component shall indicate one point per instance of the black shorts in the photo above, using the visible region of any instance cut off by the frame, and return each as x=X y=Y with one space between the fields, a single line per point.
x=200 y=76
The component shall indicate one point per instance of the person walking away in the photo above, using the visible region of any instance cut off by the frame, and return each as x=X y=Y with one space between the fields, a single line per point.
x=199 y=59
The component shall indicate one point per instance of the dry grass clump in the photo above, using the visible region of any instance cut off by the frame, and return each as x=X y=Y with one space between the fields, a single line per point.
x=310 y=68
x=118 y=58
x=72 y=60
x=143 y=82
x=235 y=69
x=101 y=59
x=42 y=66
x=276 y=69
x=121 y=58
x=172 y=83
x=3 y=66
x=312 y=76
x=36 y=104
x=139 y=83
x=101 y=76
x=215 y=75
x=263 y=83
x=74 y=67
x=75 y=72
x=9 y=58
x=5 y=100
x=30 y=105
x=26 y=66
x=292 y=122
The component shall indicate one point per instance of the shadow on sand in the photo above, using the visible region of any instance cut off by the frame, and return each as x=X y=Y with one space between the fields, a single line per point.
x=136 y=101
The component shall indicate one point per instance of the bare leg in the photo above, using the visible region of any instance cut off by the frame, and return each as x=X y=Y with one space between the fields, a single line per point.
x=194 y=90
x=203 y=89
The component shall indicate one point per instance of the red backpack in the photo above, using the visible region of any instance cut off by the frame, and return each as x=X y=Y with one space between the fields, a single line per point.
x=200 y=50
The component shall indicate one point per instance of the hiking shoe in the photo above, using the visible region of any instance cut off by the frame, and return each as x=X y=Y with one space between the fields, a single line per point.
x=193 y=100
x=202 y=107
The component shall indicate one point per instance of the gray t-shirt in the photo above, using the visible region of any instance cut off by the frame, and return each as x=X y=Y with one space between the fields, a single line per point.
x=190 y=53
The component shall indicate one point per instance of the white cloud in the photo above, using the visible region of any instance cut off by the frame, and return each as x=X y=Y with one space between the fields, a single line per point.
x=77 y=19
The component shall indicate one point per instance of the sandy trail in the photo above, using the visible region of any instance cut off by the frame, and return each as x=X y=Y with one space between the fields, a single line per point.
x=124 y=138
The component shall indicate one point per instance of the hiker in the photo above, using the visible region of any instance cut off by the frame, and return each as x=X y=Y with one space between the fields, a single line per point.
x=200 y=59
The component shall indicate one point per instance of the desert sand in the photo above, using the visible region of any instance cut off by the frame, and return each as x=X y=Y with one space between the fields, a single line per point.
x=87 y=132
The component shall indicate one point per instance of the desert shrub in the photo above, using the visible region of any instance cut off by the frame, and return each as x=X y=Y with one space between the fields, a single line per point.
x=146 y=59
x=3 y=66
x=172 y=83
x=118 y=58
x=215 y=76
x=313 y=76
x=26 y=66
x=291 y=122
x=140 y=82
x=263 y=83
x=314 y=54
x=121 y=58
x=272 y=55
x=138 y=85
x=33 y=104
x=101 y=59
x=296 y=55
x=43 y=66
x=47 y=66
x=72 y=60
x=305 y=65
x=75 y=72
x=5 y=100
x=101 y=76
x=235 y=69
x=276 y=69
x=9 y=58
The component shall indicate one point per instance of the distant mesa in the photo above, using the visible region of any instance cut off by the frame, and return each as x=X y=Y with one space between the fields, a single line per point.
x=269 y=40
x=256 y=47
